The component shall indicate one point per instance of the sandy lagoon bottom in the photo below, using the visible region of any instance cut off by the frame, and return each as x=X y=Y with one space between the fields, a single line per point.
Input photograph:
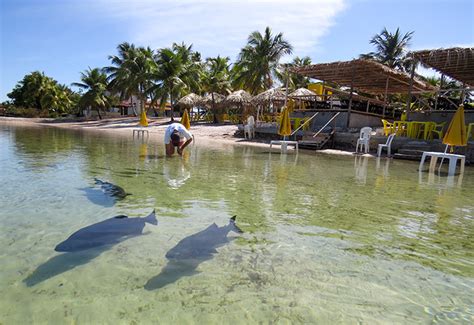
x=326 y=239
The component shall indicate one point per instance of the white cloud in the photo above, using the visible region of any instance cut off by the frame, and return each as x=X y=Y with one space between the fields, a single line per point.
x=222 y=27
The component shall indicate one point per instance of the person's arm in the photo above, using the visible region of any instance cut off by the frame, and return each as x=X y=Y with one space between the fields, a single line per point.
x=169 y=149
x=181 y=148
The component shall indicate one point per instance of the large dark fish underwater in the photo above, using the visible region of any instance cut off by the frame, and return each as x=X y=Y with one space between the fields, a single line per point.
x=88 y=243
x=185 y=257
x=107 y=232
x=112 y=189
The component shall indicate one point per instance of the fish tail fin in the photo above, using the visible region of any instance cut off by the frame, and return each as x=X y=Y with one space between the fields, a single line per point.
x=234 y=226
x=98 y=181
x=152 y=218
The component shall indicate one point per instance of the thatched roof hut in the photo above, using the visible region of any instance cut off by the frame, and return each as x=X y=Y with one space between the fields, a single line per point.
x=303 y=93
x=207 y=100
x=364 y=75
x=238 y=97
x=190 y=100
x=274 y=94
x=456 y=62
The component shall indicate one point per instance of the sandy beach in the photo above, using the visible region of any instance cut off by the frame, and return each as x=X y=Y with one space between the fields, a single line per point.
x=204 y=133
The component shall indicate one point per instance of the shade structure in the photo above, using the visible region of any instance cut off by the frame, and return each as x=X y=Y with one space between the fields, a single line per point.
x=285 y=125
x=303 y=93
x=185 y=119
x=207 y=100
x=456 y=133
x=143 y=120
x=238 y=97
x=274 y=94
x=456 y=62
x=190 y=100
x=364 y=75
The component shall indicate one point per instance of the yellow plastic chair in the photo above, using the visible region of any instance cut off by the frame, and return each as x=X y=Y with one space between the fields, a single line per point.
x=438 y=129
x=403 y=117
x=425 y=130
x=387 y=127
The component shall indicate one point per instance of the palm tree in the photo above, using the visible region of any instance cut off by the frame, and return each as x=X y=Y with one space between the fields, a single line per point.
x=390 y=49
x=178 y=72
x=294 y=80
x=258 y=61
x=131 y=72
x=94 y=81
x=57 y=99
x=216 y=79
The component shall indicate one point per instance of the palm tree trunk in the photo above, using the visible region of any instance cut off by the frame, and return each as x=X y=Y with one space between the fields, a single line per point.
x=213 y=108
x=98 y=112
x=172 y=106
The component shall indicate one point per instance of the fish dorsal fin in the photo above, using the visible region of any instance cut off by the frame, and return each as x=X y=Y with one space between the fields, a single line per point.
x=120 y=217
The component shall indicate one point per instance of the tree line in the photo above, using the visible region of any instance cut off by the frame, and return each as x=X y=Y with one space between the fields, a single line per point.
x=167 y=74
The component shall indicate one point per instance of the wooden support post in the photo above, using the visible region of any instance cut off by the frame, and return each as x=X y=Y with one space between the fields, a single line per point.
x=463 y=93
x=350 y=97
x=410 y=88
x=385 y=98
x=440 y=90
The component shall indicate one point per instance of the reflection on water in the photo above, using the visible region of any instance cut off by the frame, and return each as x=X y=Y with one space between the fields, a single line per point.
x=436 y=178
x=176 y=171
x=361 y=162
x=371 y=240
x=383 y=165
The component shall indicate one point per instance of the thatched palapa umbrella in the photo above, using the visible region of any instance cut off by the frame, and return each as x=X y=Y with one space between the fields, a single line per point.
x=301 y=94
x=207 y=100
x=239 y=98
x=190 y=100
x=212 y=101
x=269 y=96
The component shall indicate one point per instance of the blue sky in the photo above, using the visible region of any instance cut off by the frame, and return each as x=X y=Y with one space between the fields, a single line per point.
x=64 y=37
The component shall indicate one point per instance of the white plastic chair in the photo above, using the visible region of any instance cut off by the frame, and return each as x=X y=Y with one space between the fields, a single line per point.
x=364 y=139
x=387 y=145
x=249 y=128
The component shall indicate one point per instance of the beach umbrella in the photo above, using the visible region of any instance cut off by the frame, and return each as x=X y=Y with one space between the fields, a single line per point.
x=274 y=94
x=190 y=100
x=143 y=120
x=267 y=97
x=218 y=98
x=303 y=93
x=185 y=120
x=285 y=125
x=456 y=134
x=238 y=97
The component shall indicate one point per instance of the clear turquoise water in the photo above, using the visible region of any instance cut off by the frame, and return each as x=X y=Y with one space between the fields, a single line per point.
x=327 y=239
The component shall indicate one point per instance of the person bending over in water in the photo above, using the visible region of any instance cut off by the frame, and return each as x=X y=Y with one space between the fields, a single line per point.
x=174 y=137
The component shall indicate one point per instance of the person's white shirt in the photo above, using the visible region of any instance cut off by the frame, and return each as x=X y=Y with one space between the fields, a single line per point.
x=183 y=132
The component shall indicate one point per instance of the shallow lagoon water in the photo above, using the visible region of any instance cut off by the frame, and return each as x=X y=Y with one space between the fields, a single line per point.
x=327 y=239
